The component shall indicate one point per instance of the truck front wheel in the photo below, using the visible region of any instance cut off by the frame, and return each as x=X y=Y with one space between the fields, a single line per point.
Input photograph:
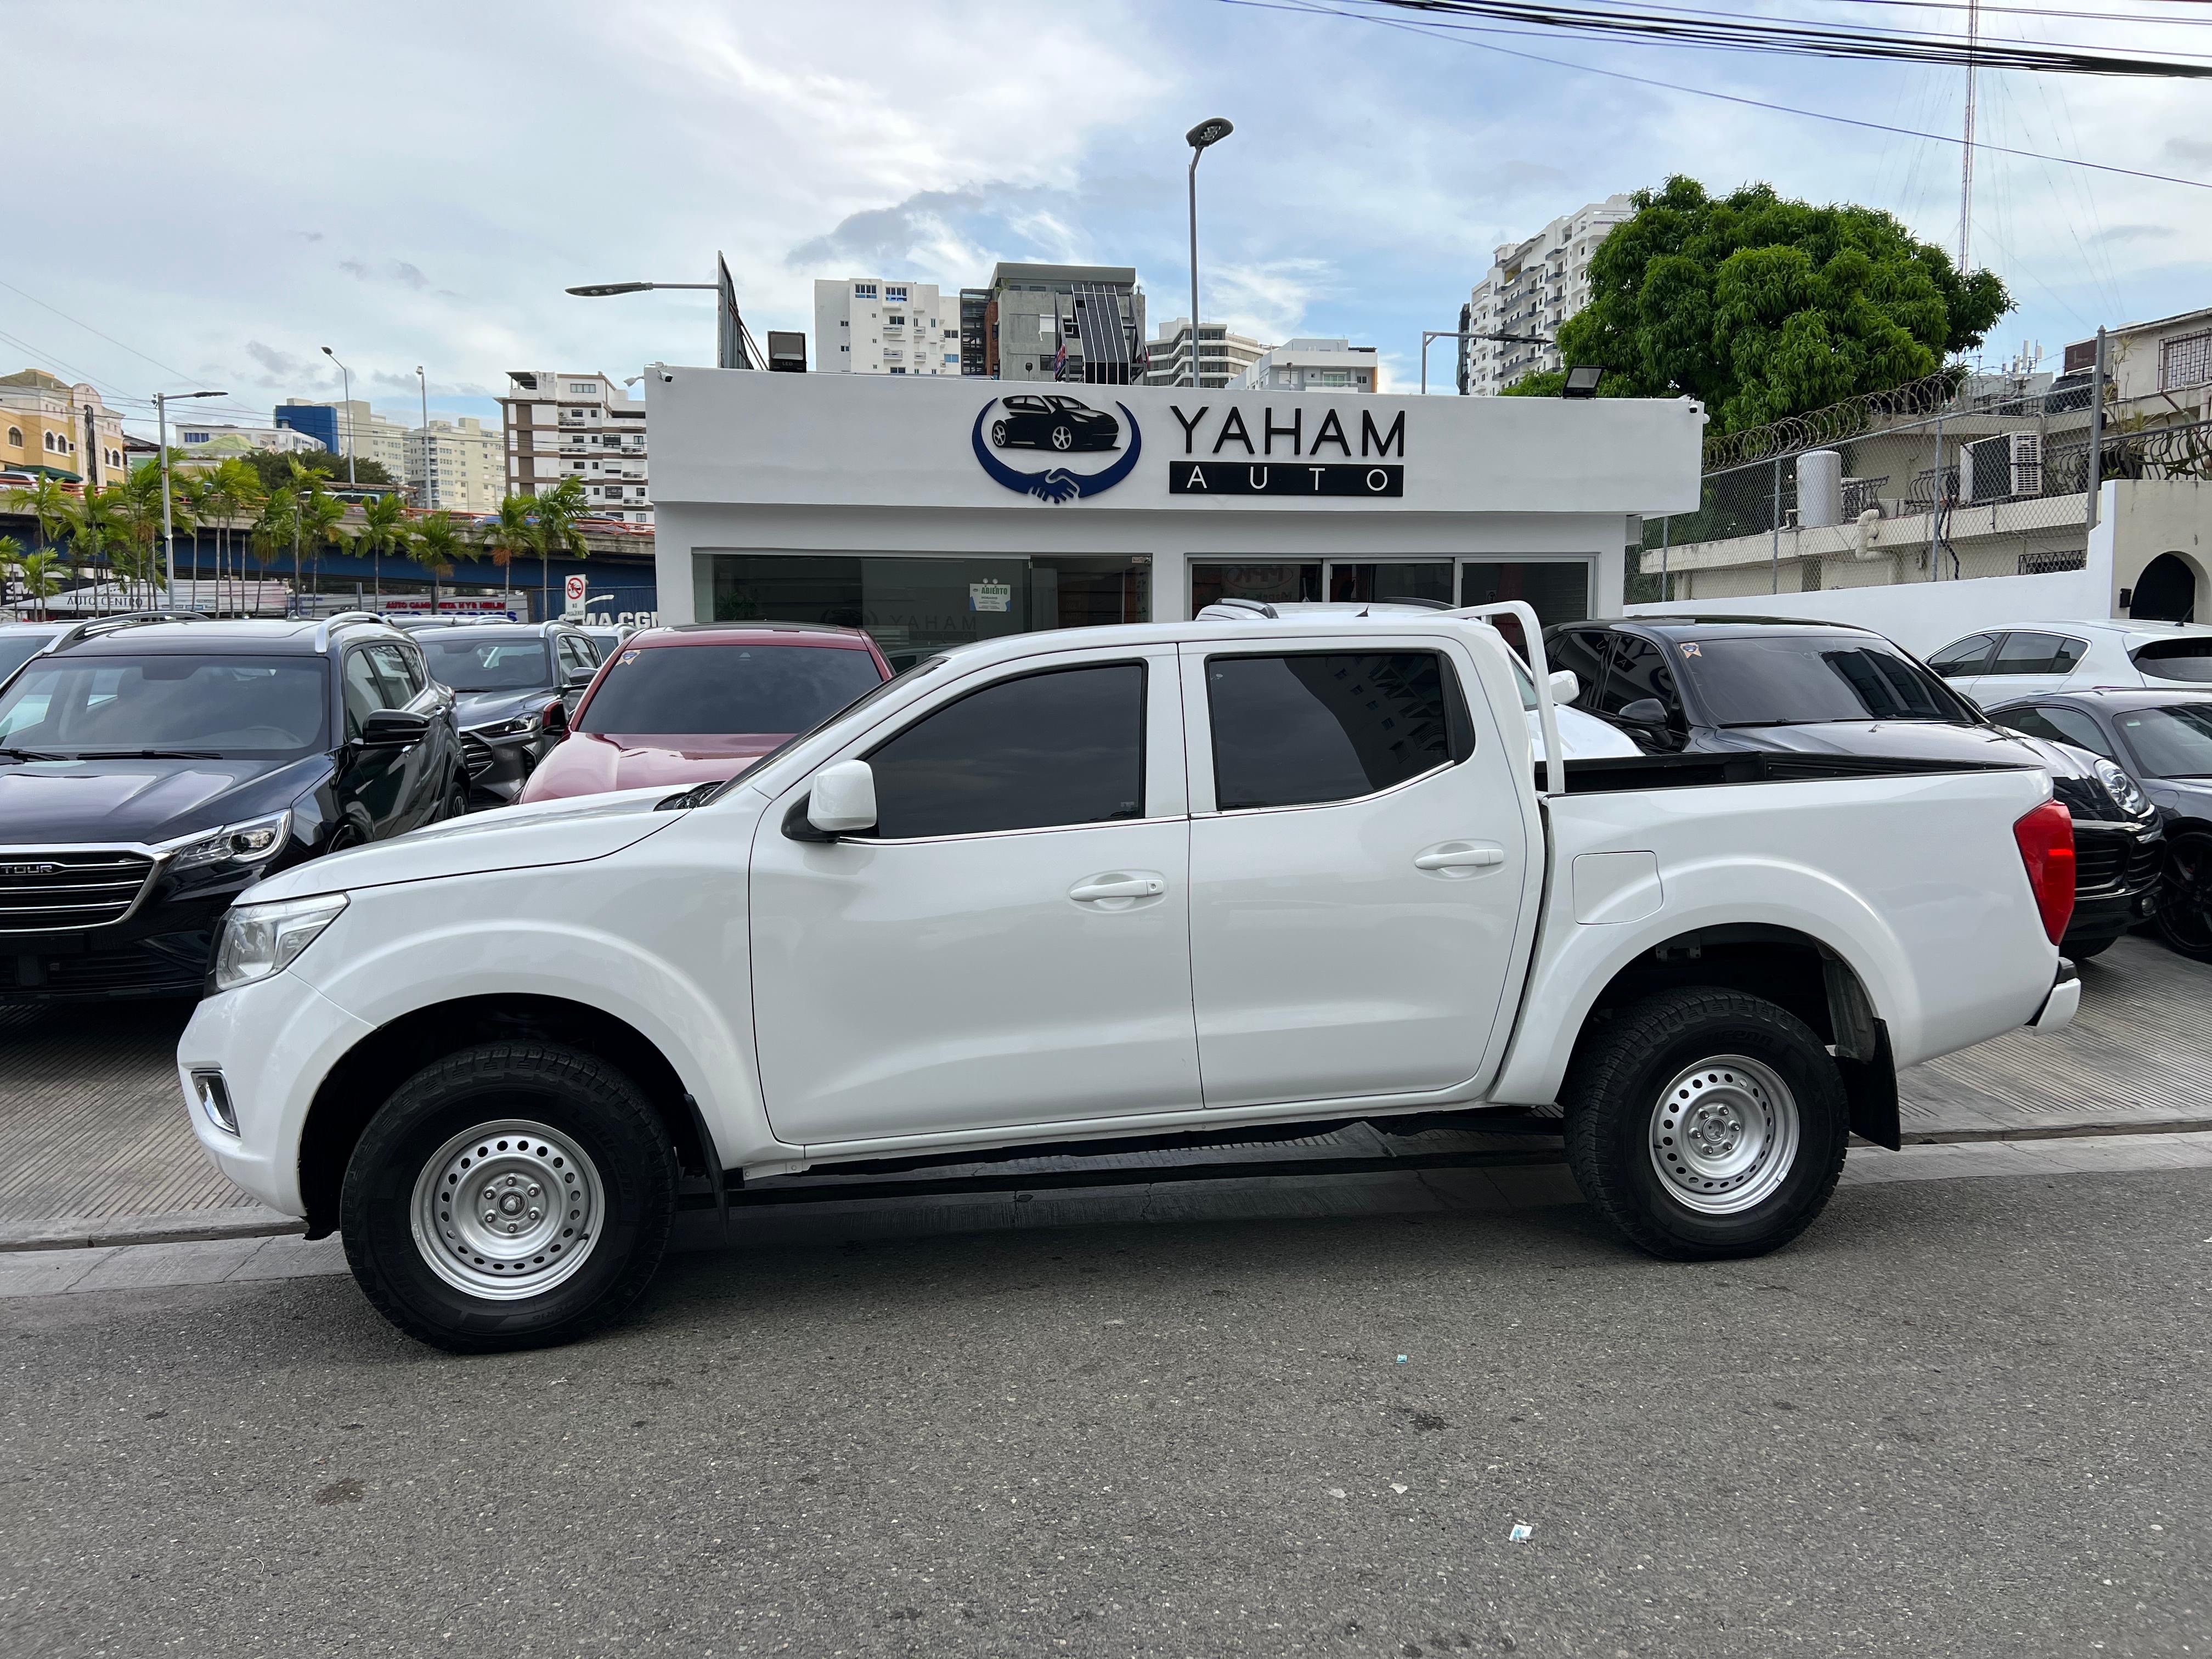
x=509 y=1195
x=1704 y=1123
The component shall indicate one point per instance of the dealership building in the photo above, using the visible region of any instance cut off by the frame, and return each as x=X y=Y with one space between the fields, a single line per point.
x=936 y=511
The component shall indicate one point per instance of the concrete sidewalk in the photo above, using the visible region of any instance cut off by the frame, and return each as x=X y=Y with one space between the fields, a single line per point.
x=95 y=1149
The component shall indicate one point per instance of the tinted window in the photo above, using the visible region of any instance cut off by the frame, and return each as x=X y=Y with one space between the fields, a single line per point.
x=576 y=655
x=2081 y=730
x=2171 y=743
x=1582 y=650
x=2036 y=654
x=2177 y=659
x=1290 y=730
x=1637 y=671
x=1059 y=748
x=390 y=663
x=474 y=663
x=726 y=688
x=364 y=696
x=227 y=705
x=1808 y=680
x=1967 y=656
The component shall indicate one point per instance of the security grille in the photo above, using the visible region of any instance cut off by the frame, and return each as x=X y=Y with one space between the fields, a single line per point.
x=2185 y=362
x=43 y=892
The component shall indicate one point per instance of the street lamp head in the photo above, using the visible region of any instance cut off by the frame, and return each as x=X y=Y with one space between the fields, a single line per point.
x=207 y=394
x=327 y=352
x=1209 y=132
x=601 y=290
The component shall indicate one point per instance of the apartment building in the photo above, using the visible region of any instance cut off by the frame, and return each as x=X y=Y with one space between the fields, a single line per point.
x=577 y=425
x=349 y=427
x=457 y=466
x=1036 y=322
x=51 y=429
x=1313 y=365
x=870 y=326
x=1533 y=287
x=205 y=444
x=1221 y=356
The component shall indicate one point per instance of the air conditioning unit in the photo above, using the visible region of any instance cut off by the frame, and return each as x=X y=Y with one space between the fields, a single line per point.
x=2001 y=468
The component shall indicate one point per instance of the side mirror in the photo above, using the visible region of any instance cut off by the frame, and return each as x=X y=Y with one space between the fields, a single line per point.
x=842 y=799
x=555 y=720
x=1565 y=687
x=1644 y=711
x=394 y=728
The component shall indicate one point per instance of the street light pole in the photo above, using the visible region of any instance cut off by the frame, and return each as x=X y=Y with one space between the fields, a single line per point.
x=168 y=529
x=346 y=380
x=1429 y=335
x=731 y=334
x=1200 y=138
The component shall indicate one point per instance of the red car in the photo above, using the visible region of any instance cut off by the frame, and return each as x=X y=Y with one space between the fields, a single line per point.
x=701 y=703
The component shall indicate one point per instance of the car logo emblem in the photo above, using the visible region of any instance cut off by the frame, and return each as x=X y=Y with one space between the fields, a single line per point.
x=30 y=869
x=1056 y=424
x=1691 y=651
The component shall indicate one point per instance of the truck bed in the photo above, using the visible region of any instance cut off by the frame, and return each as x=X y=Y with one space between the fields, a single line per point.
x=1611 y=774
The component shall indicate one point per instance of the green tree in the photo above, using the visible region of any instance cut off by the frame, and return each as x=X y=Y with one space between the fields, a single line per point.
x=228 y=492
x=438 y=543
x=383 y=530
x=553 y=529
x=41 y=573
x=275 y=470
x=322 y=523
x=1759 y=308
x=11 y=557
x=508 y=535
x=49 y=504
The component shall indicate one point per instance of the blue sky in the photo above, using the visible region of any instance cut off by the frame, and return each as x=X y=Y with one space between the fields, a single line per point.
x=413 y=182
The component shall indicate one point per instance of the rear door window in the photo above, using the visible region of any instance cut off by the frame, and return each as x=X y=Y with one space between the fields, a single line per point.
x=1304 y=728
x=2036 y=654
x=1061 y=748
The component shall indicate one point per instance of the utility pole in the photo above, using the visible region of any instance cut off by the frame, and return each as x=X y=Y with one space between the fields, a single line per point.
x=2096 y=478
x=1200 y=138
x=346 y=381
x=423 y=494
x=1967 y=150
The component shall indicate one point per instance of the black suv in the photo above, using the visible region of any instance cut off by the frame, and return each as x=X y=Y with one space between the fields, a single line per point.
x=152 y=769
x=1718 y=684
x=516 y=684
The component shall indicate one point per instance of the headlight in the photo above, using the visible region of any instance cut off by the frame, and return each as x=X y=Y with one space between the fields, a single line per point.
x=513 y=728
x=254 y=841
x=258 y=939
x=2132 y=800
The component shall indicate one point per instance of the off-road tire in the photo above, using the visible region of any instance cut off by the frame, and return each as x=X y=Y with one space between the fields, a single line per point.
x=592 y=1106
x=1614 y=1086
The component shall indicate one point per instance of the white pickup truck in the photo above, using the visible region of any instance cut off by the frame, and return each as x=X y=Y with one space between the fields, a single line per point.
x=1179 y=879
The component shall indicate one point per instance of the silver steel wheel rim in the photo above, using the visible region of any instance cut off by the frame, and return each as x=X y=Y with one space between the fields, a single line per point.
x=1724 y=1134
x=508 y=1209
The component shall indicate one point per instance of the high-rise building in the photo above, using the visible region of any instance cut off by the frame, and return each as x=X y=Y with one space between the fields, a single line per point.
x=349 y=428
x=1310 y=366
x=1221 y=356
x=457 y=466
x=51 y=429
x=575 y=425
x=867 y=326
x=1084 y=323
x=1533 y=287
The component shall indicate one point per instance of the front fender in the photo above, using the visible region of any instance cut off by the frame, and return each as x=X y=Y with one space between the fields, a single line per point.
x=399 y=956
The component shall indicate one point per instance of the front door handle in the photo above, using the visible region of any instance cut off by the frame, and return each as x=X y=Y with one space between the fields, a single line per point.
x=1126 y=886
x=1460 y=856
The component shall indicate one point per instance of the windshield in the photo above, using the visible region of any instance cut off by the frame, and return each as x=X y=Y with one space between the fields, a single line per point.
x=1808 y=679
x=170 y=704
x=2189 y=658
x=726 y=688
x=16 y=649
x=475 y=662
x=2171 y=743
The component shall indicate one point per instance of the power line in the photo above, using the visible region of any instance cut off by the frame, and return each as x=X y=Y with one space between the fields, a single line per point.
x=1304 y=7
x=89 y=329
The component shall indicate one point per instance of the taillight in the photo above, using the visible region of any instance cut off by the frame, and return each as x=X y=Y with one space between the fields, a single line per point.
x=2046 y=847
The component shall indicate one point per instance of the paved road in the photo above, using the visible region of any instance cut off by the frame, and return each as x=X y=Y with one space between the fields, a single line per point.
x=1962 y=1417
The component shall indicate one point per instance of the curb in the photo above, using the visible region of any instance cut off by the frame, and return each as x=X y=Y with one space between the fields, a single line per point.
x=176 y=1227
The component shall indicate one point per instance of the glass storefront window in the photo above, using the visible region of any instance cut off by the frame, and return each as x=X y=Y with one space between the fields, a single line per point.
x=1277 y=584
x=1365 y=583
x=1558 y=589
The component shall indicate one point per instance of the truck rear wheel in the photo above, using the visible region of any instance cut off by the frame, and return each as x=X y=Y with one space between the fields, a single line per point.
x=511 y=1195
x=1704 y=1123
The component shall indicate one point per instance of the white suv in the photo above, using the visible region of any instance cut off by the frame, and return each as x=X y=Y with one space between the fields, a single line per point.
x=2038 y=658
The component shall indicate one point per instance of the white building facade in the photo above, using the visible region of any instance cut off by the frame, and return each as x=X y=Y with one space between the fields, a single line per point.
x=457 y=466
x=583 y=426
x=369 y=436
x=1532 y=288
x=1312 y=365
x=871 y=325
x=967 y=509
x=1221 y=356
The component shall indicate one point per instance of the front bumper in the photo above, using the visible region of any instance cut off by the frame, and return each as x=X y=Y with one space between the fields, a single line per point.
x=162 y=951
x=273 y=1043
x=497 y=767
x=2117 y=885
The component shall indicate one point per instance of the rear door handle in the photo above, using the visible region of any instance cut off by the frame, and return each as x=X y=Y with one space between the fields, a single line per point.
x=1124 y=886
x=1463 y=855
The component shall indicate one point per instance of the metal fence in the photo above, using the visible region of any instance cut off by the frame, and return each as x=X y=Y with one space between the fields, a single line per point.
x=1983 y=486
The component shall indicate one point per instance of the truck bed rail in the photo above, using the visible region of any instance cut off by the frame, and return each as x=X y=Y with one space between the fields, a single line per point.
x=1614 y=773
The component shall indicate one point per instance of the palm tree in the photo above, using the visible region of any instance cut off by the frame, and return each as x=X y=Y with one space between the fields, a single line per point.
x=554 y=531
x=383 y=530
x=39 y=578
x=11 y=554
x=508 y=535
x=230 y=491
x=322 y=524
x=49 y=504
x=276 y=527
x=97 y=534
x=128 y=522
x=438 y=542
